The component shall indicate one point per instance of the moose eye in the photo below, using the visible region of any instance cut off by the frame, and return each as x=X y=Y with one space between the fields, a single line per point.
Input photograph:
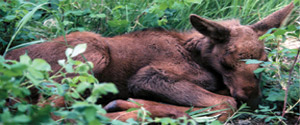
x=229 y=61
x=228 y=66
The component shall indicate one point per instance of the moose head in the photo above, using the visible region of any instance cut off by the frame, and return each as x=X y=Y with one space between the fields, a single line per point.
x=228 y=43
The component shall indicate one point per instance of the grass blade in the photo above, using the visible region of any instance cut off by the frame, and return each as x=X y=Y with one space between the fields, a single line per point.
x=23 y=21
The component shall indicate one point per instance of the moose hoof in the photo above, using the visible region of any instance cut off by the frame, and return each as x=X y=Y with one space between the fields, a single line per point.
x=119 y=105
x=113 y=106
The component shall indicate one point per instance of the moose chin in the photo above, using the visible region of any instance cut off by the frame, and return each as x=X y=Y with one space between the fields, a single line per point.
x=199 y=68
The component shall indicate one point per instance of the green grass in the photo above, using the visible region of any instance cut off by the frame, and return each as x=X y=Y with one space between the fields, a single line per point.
x=113 y=17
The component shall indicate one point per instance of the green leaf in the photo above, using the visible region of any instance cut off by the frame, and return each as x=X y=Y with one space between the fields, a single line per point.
x=100 y=110
x=104 y=88
x=90 y=113
x=14 y=70
x=131 y=121
x=117 y=122
x=2 y=60
x=2 y=102
x=252 y=61
x=40 y=64
x=80 y=29
x=9 y=18
x=133 y=101
x=76 y=13
x=97 y=15
x=78 y=49
x=279 y=32
x=217 y=122
x=194 y=1
x=69 y=68
x=259 y=70
x=34 y=76
x=291 y=28
x=101 y=89
x=84 y=78
x=25 y=59
x=42 y=115
x=62 y=62
x=83 y=86
x=75 y=95
x=95 y=122
x=118 y=7
x=275 y=96
x=90 y=64
x=21 y=118
x=61 y=89
x=163 y=6
x=66 y=23
x=244 y=105
x=68 y=81
x=132 y=109
x=264 y=36
x=68 y=51
x=22 y=107
x=118 y=23
x=82 y=68
x=6 y=115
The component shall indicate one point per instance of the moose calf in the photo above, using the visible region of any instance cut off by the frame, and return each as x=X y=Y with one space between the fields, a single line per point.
x=183 y=69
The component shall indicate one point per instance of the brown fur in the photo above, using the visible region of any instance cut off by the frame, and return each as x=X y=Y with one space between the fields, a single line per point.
x=185 y=69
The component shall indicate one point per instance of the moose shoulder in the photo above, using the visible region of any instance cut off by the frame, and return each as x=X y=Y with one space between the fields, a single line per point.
x=184 y=69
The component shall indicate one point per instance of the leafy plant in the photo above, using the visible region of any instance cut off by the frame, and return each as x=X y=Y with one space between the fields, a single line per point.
x=18 y=77
x=280 y=75
x=111 y=17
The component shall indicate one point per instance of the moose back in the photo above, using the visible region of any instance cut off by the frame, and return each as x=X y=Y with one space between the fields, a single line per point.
x=184 y=69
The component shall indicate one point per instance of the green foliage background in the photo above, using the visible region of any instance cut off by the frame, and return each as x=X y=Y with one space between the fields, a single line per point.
x=26 y=22
x=113 y=17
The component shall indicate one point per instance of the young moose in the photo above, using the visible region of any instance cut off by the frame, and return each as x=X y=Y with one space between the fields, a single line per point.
x=183 y=69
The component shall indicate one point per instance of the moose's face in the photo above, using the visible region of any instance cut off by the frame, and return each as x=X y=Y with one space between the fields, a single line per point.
x=229 y=44
x=228 y=59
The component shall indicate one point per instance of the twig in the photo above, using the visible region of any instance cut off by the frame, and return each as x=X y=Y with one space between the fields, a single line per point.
x=289 y=83
x=137 y=21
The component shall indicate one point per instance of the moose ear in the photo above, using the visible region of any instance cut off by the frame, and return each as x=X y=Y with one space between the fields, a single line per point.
x=272 y=21
x=210 y=29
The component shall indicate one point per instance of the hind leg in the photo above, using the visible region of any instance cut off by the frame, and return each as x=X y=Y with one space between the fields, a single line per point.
x=156 y=109
x=122 y=105
x=150 y=83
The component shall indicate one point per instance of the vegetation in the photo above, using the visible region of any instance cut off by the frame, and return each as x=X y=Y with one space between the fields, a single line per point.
x=26 y=22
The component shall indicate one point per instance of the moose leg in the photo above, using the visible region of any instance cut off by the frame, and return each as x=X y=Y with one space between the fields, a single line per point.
x=156 y=109
x=150 y=83
x=122 y=105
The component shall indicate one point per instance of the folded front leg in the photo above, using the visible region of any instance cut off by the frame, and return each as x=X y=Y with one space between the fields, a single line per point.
x=161 y=85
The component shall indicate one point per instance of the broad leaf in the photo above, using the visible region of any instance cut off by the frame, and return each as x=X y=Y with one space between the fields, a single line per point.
x=21 y=118
x=80 y=48
x=25 y=59
x=68 y=51
x=40 y=64
x=252 y=61
x=259 y=70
